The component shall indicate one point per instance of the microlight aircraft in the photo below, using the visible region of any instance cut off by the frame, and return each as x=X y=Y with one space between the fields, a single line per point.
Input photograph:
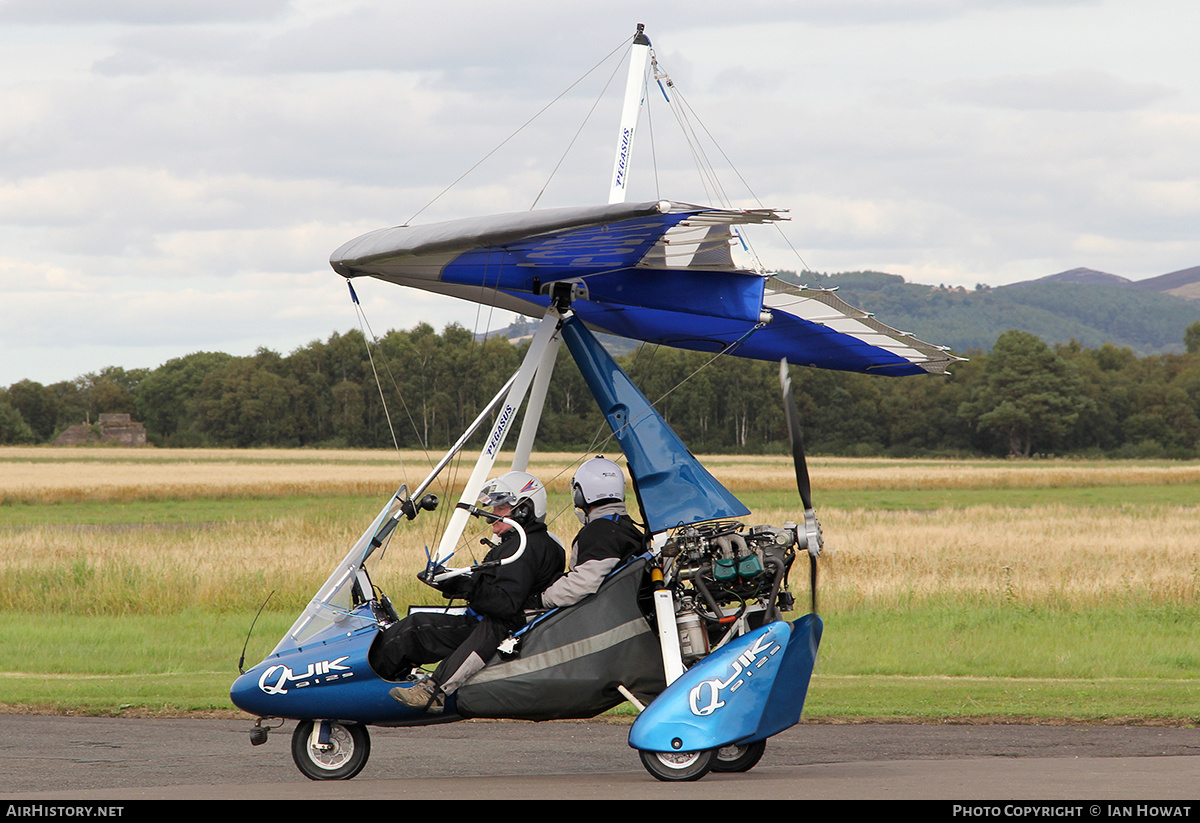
x=693 y=632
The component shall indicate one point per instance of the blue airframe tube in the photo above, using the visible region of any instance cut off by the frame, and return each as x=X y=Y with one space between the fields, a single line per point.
x=673 y=487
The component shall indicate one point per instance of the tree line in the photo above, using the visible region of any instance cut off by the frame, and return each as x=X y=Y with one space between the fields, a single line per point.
x=421 y=389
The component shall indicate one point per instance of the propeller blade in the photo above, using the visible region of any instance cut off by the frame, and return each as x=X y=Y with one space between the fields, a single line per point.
x=810 y=539
x=793 y=421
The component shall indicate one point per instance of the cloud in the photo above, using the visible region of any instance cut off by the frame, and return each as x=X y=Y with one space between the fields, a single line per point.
x=176 y=174
x=1069 y=90
x=138 y=12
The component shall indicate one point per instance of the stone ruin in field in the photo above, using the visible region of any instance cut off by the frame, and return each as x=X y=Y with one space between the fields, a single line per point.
x=112 y=428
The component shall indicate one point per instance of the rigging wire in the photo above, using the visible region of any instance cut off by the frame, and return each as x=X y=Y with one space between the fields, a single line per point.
x=688 y=121
x=704 y=167
x=653 y=148
x=744 y=182
x=465 y=544
x=624 y=47
x=362 y=321
x=709 y=180
x=597 y=444
x=677 y=385
x=684 y=116
x=519 y=129
x=369 y=337
x=578 y=131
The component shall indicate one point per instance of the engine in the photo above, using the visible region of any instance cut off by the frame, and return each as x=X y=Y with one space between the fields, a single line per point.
x=724 y=574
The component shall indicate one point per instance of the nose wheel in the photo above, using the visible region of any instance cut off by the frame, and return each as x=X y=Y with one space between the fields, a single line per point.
x=325 y=750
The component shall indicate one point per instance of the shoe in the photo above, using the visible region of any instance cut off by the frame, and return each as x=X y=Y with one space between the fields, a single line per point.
x=423 y=694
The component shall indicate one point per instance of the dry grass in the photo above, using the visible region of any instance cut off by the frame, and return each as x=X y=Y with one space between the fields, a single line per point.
x=52 y=475
x=995 y=554
x=833 y=473
x=1045 y=555
x=158 y=570
x=1036 y=556
x=46 y=476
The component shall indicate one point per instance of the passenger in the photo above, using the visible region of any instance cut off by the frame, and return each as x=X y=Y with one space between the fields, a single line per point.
x=608 y=537
x=495 y=598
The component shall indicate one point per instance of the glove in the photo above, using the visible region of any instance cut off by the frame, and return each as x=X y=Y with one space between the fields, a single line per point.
x=456 y=587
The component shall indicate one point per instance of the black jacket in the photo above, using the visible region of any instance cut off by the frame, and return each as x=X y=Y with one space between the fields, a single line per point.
x=501 y=591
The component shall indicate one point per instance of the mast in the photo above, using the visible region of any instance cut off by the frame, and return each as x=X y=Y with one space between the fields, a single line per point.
x=546 y=337
x=635 y=92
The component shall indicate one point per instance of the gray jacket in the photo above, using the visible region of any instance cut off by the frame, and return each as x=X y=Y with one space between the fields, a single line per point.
x=609 y=537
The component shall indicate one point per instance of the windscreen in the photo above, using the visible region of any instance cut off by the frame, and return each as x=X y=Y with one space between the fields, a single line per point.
x=330 y=609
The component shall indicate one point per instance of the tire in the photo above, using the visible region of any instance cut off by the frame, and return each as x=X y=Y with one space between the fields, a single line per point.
x=677 y=766
x=350 y=748
x=734 y=758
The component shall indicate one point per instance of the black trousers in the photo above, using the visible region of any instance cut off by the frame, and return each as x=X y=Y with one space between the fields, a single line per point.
x=463 y=644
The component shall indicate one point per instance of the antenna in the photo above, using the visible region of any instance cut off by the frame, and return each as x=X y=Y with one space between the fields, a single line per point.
x=242 y=659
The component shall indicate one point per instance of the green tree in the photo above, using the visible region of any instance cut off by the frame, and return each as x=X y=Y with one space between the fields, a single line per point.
x=166 y=397
x=38 y=406
x=246 y=403
x=1029 y=395
x=112 y=389
x=1191 y=338
x=349 y=413
x=13 y=428
x=920 y=413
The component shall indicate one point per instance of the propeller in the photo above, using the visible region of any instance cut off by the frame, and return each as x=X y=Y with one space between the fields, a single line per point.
x=810 y=539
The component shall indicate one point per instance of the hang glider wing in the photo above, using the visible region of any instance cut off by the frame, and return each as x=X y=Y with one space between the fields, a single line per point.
x=661 y=272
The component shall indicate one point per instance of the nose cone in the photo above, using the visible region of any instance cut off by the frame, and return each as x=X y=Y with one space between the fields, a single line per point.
x=329 y=679
x=247 y=695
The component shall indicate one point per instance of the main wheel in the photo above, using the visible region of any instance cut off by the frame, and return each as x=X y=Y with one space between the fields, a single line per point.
x=734 y=758
x=673 y=766
x=345 y=755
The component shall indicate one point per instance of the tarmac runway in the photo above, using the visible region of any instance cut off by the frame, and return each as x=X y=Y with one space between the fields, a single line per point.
x=114 y=759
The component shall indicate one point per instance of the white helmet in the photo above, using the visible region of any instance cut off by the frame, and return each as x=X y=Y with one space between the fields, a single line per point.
x=596 y=481
x=514 y=489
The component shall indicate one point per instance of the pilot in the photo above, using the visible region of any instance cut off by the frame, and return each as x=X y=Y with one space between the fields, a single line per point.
x=495 y=598
x=609 y=535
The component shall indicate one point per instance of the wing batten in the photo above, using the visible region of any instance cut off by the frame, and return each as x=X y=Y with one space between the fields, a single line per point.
x=822 y=306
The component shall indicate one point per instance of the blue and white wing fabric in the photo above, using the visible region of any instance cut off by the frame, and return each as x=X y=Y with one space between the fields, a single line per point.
x=660 y=272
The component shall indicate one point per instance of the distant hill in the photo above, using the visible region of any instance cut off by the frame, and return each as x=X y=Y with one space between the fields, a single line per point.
x=1092 y=307
x=1184 y=283
x=1082 y=277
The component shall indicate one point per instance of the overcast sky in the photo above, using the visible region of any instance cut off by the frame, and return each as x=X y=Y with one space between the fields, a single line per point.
x=176 y=174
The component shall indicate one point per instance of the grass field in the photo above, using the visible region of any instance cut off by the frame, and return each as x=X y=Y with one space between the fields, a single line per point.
x=950 y=589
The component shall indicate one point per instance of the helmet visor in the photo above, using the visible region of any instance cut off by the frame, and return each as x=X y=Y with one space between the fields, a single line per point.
x=493 y=494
